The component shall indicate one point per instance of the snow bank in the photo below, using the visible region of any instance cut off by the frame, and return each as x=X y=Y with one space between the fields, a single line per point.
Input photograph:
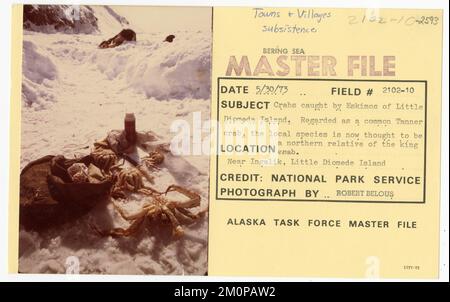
x=38 y=73
x=157 y=69
x=37 y=67
x=162 y=70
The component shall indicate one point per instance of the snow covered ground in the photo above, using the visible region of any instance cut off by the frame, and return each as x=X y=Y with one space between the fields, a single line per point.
x=73 y=93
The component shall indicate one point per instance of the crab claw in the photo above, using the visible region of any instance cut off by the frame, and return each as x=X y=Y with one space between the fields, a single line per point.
x=193 y=201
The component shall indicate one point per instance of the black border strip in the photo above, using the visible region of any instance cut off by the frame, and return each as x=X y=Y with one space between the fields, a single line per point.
x=320 y=200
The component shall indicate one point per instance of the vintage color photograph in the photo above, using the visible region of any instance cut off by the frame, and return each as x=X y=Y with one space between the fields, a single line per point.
x=104 y=187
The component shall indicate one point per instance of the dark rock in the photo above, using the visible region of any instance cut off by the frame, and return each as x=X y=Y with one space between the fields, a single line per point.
x=124 y=35
x=169 y=38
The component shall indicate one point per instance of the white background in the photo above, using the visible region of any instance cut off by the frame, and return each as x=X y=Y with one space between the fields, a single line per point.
x=5 y=64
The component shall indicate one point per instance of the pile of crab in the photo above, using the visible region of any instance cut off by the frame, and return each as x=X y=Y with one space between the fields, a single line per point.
x=110 y=156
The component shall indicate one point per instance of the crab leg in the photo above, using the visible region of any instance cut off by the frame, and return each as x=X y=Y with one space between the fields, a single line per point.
x=145 y=174
x=137 y=218
x=134 y=216
x=118 y=193
x=177 y=229
x=128 y=186
x=149 y=191
x=103 y=144
x=121 y=232
x=185 y=214
x=194 y=198
x=117 y=165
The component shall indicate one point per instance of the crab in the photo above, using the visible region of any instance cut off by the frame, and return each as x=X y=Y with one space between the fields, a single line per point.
x=104 y=158
x=130 y=179
x=160 y=208
x=78 y=172
x=153 y=159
